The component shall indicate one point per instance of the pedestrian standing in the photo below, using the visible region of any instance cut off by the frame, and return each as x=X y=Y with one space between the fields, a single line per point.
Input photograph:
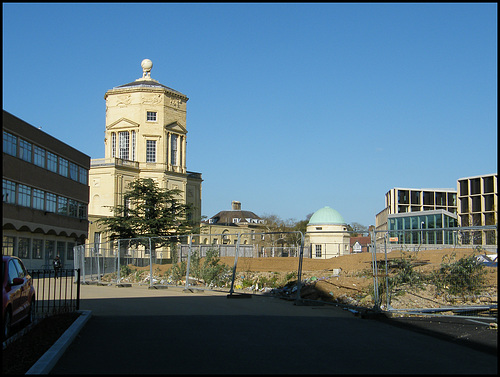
x=57 y=265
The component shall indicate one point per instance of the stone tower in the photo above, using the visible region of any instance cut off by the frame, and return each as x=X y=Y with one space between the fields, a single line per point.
x=145 y=137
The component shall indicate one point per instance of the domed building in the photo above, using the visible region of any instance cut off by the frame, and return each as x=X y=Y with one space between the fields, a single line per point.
x=327 y=234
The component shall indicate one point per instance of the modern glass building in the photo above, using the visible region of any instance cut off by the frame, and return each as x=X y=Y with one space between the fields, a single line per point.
x=425 y=227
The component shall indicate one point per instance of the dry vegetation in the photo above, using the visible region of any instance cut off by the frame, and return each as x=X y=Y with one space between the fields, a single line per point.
x=354 y=284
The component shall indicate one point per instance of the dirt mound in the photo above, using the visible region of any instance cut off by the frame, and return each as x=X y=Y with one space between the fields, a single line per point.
x=348 y=278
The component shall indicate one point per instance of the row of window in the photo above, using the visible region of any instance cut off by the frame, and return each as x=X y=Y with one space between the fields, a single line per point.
x=125 y=147
x=124 y=150
x=37 y=155
x=420 y=225
x=237 y=220
x=26 y=196
x=33 y=248
x=422 y=222
x=487 y=186
x=318 y=250
x=427 y=198
x=407 y=208
x=484 y=203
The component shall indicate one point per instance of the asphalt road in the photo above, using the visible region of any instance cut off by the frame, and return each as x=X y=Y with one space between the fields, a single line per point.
x=146 y=331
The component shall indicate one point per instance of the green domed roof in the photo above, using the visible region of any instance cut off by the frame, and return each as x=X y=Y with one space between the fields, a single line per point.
x=326 y=216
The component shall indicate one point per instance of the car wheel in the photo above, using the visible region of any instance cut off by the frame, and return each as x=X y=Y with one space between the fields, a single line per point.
x=7 y=323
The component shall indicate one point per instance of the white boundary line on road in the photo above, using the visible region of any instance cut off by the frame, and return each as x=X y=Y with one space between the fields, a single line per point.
x=49 y=359
x=482 y=323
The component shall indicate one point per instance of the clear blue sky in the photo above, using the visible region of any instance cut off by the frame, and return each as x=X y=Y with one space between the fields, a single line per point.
x=292 y=107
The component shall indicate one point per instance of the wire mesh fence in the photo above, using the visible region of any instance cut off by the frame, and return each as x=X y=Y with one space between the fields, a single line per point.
x=404 y=271
x=178 y=260
x=454 y=274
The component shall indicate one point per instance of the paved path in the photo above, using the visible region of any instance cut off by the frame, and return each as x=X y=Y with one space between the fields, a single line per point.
x=144 y=331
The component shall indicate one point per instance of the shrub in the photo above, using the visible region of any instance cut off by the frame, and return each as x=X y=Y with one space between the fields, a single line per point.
x=406 y=273
x=246 y=282
x=138 y=275
x=460 y=277
x=212 y=272
x=178 y=271
x=271 y=282
x=194 y=264
x=125 y=271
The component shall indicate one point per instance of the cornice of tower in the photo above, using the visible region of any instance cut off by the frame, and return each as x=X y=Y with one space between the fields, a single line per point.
x=146 y=89
x=146 y=84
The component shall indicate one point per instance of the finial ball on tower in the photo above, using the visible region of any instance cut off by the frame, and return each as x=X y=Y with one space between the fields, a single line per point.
x=147 y=64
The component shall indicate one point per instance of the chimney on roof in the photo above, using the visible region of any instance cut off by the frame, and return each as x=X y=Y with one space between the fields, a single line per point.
x=236 y=206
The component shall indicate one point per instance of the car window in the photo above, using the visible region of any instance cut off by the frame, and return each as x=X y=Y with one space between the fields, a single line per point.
x=21 y=270
x=12 y=271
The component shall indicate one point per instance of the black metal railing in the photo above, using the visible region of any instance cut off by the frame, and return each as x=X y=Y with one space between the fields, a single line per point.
x=56 y=292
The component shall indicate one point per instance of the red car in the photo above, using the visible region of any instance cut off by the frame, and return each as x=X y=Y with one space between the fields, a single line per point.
x=18 y=297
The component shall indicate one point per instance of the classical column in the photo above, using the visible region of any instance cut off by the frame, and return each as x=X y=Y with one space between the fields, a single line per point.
x=168 y=150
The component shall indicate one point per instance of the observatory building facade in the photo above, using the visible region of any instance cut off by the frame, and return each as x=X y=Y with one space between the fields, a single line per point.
x=145 y=137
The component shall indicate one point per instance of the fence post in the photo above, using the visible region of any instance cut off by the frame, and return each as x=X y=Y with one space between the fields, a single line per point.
x=150 y=264
x=387 y=292
x=96 y=250
x=375 y=274
x=188 y=261
x=299 y=272
x=78 y=289
x=76 y=259
x=236 y=252
x=91 y=250
x=118 y=263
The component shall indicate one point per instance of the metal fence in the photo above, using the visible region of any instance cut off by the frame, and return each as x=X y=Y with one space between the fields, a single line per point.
x=56 y=294
x=281 y=251
x=248 y=251
x=109 y=262
x=403 y=279
x=407 y=282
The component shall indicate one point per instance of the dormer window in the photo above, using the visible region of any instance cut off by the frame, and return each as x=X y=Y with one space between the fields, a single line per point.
x=151 y=116
x=236 y=220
